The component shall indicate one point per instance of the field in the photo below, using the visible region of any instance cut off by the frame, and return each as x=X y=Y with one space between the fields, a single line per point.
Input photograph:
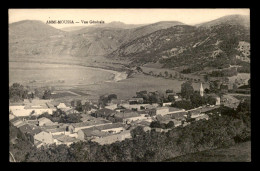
x=237 y=153
x=85 y=77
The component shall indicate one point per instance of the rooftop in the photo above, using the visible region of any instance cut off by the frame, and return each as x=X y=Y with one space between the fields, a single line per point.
x=66 y=138
x=96 y=121
x=127 y=115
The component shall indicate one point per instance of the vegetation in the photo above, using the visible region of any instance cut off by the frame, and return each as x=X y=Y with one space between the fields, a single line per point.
x=186 y=90
x=224 y=73
x=237 y=153
x=61 y=117
x=157 y=124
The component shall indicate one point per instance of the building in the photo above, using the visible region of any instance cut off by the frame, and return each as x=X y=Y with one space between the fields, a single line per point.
x=136 y=118
x=61 y=105
x=201 y=90
x=57 y=131
x=45 y=122
x=100 y=131
x=90 y=133
x=167 y=104
x=75 y=127
x=104 y=113
x=111 y=106
x=167 y=110
x=20 y=111
x=44 y=137
x=120 y=117
x=179 y=115
x=162 y=110
x=136 y=100
x=202 y=116
x=64 y=139
x=109 y=139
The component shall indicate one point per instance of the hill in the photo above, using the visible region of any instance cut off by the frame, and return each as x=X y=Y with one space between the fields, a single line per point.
x=237 y=153
x=36 y=38
x=242 y=20
x=32 y=29
x=189 y=46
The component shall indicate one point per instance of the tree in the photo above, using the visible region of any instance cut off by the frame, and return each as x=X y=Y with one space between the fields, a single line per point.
x=206 y=90
x=214 y=86
x=249 y=81
x=186 y=90
x=170 y=124
x=206 y=78
x=211 y=100
x=47 y=94
x=138 y=131
x=155 y=124
x=196 y=100
x=139 y=69
x=17 y=92
x=112 y=96
x=166 y=73
x=171 y=98
x=234 y=86
x=79 y=106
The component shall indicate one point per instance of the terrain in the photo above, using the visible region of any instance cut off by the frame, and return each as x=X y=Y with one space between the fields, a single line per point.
x=212 y=44
x=169 y=46
x=238 y=153
x=42 y=39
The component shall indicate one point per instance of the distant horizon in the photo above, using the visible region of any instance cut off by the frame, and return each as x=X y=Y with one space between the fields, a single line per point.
x=126 y=16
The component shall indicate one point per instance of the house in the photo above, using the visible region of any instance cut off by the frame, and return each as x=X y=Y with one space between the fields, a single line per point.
x=45 y=121
x=38 y=144
x=111 y=106
x=64 y=139
x=90 y=133
x=167 y=110
x=162 y=110
x=120 y=117
x=136 y=100
x=61 y=105
x=75 y=127
x=57 y=131
x=44 y=137
x=16 y=121
x=178 y=115
x=30 y=131
x=167 y=104
x=194 y=113
x=135 y=118
x=177 y=122
x=111 y=128
x=33 y=122
x=100 y=131
x=109 y=139
x=203 y=116
x=136 y=107
x=27 y=110
x=104 y=113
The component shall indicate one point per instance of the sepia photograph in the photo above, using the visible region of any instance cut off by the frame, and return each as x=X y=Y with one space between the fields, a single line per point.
x=129 y=85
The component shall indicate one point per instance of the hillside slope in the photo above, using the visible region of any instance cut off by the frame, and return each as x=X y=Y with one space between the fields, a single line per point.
x=214 y=45
x=36 y=38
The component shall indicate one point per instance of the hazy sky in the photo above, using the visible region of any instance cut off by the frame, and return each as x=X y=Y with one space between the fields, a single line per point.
x=128 y=16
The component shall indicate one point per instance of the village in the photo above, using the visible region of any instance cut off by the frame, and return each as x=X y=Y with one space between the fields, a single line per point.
x=107 y=123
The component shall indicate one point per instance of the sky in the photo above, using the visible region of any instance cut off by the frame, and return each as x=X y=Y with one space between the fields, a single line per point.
x=127 y=16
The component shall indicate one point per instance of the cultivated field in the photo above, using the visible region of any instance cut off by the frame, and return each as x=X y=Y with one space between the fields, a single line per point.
x=85 y=77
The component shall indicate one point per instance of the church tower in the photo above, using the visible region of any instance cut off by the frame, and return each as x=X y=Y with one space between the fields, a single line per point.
x=201 y=90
